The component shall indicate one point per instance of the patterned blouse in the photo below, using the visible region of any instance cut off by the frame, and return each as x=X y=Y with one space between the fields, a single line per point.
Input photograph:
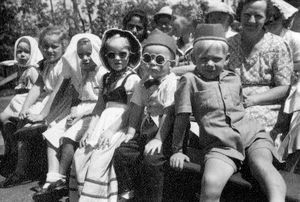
x=268 y=65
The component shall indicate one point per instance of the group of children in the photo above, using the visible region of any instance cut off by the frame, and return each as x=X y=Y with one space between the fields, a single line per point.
x=122 y=125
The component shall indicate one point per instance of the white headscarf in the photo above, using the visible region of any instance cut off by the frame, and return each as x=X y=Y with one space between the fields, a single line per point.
x=71 y=60
x=286 y=9
x=35 y=53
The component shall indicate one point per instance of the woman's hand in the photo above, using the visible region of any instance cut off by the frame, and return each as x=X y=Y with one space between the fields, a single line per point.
x=153 y=146
x=249 y=101
x=177 y=160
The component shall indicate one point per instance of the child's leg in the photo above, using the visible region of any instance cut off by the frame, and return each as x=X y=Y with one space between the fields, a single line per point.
x=19 y=175
x=53 y=165
x=270 y=180
x=215 y=176
x=153 y=173
x=126 y=162
x=67 y=153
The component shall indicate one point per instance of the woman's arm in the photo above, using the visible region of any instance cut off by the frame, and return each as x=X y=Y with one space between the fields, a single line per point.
x=273 y=96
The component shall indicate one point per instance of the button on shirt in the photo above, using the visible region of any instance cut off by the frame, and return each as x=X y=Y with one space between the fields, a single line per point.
x=218 y=110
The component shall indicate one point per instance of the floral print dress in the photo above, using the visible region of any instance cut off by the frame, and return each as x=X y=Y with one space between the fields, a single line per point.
x=268 y=65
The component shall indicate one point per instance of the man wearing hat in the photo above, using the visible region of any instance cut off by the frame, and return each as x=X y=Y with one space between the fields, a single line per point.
x=213 y=95
x=152 y=102
x=221 y=13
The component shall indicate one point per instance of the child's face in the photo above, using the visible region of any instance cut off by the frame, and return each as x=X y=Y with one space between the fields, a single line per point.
x=219 y=18
x=52 y=48
x=23 y=53
x=118 y=53
x=157 y=58
x=210 y=57
x=165 y=24
x=135 y=26
x=84 y=51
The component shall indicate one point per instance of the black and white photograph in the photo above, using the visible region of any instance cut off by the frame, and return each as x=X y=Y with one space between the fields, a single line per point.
x=150 y=100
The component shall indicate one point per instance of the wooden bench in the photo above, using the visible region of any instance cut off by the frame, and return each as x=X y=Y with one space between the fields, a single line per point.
x=239 y=189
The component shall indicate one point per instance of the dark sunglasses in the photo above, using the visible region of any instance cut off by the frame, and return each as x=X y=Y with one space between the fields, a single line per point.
x=159 y=59
x=122 y=55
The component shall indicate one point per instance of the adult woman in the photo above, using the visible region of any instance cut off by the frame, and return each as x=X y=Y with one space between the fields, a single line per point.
x=263 y=61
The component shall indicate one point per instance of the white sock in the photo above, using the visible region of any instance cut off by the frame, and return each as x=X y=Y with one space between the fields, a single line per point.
x=53 y=177
x=127 y=195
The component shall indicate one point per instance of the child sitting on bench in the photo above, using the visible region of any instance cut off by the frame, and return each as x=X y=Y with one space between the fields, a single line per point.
x=213 y=95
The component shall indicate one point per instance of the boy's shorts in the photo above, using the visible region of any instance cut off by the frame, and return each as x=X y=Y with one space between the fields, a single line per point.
x=263 y=142
x=215 y=154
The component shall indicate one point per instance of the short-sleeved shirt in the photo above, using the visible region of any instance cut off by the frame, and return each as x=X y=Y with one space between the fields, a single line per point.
x=156 y=98
x=218 y=110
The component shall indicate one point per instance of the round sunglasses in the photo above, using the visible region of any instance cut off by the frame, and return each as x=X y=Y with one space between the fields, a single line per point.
x=122 y=55
x=158 y=59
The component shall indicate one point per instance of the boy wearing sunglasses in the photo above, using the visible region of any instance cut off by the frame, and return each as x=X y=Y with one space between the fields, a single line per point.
x=152 y=103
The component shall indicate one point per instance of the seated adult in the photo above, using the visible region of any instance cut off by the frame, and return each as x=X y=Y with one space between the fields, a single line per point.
x=264 y=63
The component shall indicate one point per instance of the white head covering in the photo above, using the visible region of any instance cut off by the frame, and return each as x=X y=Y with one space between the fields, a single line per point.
x=35 y=53
x=71 y=60
x=286 y=9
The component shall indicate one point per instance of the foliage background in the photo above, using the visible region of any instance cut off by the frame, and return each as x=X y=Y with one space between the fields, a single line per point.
x=29 y=17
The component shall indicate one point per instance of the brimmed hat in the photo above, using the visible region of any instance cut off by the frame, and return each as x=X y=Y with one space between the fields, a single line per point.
x=220 y=7
x=158 y=37
x=167 y=11
x=210 y=32
x=286 y=9
x=136 y=48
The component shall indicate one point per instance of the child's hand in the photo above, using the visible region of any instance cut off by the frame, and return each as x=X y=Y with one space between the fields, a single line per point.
x=128 y=137
x=177 y=160
x=34 y=117
x=153 y=146
x=23 y=114
x=71 y=120
x=104 y=139
x=82 y=142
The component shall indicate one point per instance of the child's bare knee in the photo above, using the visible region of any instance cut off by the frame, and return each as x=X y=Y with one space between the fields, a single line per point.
x=211 y=186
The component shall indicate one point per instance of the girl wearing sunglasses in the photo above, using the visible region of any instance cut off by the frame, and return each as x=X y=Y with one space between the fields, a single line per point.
x=95 y=175
x=152 y=102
